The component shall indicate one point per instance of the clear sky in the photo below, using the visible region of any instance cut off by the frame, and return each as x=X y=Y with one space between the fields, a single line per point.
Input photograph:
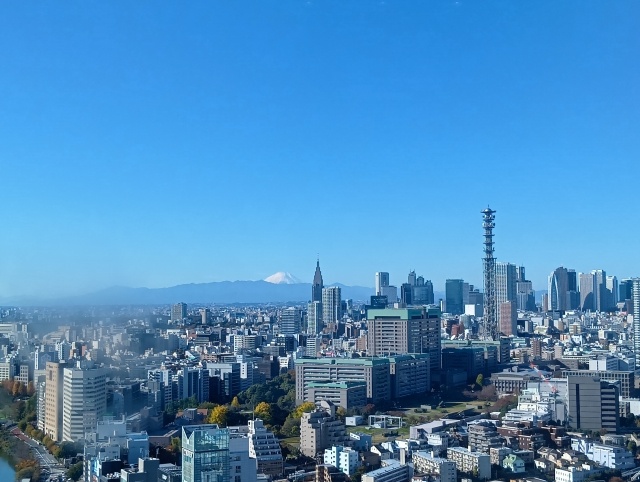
x=155 y=143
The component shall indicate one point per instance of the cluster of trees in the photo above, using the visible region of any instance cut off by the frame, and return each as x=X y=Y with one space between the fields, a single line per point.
x=27 y=469
x=18 y=389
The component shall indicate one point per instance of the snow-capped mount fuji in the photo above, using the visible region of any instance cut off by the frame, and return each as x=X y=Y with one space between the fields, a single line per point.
x=282 y=278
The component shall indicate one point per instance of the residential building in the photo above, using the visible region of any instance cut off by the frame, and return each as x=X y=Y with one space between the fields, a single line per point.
x=265 y=448
x=331 y=305
x=392 y=472
x=426 y=463
x=321 y=429
x=470 y=462
x=345 y=459
x=610 y=456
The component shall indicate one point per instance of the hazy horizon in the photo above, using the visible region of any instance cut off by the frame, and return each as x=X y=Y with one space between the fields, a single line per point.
x=153 y=145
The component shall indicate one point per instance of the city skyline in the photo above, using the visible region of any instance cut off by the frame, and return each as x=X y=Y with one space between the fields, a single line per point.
x=156 y=146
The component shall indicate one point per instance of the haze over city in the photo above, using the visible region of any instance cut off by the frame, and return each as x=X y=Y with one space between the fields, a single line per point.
x=214 y=142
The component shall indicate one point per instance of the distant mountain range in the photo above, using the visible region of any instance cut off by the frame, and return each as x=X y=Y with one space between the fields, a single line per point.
x=217 y=292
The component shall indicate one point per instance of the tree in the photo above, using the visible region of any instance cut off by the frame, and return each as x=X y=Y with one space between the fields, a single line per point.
x=75 y=471
x=176 y=445
x=235 y=403
x=291 y=427
x=303 y=408
x=480 y=380
x=263 y=411
x=219 y=415
x=632 y=447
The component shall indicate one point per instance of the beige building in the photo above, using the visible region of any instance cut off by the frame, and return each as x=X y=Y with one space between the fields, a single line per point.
x=84 y=401
x=53 y=400
x=321 y=429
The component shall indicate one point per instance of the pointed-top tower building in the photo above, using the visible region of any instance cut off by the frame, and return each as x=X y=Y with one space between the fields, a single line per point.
x=316 y=289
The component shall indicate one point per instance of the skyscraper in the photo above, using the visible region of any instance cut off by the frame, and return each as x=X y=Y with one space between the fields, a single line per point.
x=454 y=296
x=587 y=296
x=316 y=289
x=506 y=276
x=612 y=291
x=423 y=292
x=636 y=319
x=600 y=290
x=314 y=318
x=331 y=304
x=382 y=281
x=558 y=289
x=53 y=400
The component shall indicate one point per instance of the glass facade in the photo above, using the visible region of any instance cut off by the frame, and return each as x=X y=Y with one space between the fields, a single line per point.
x=205 y=454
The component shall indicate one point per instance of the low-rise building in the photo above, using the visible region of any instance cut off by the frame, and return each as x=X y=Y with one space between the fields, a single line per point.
x=469 y=462
x=426 y=463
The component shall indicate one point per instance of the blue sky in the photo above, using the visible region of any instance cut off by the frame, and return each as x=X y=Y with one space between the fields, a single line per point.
x=157 y=143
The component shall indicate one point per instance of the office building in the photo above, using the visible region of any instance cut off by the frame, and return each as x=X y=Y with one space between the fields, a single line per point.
x=525 y=296
x=347 y=395
x=314 y=318
x=558 y=289
x=600 y=290
x=290 y=321
x=53 y=400
x=612 y=292
x=84 y=400
x=410 y=374
x=454 y=300
x=587 y=292
x=394 y=331
x=593 y=404
x=331 y=305
x=423 y=292
x=625 y=290
x=469 y=359
x=382 y=281
x=374 y=371
x=205 y=454
x=193 y=382
x=316 y=288
x=506 y=278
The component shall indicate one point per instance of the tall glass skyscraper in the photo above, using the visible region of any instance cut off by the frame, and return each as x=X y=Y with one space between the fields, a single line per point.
x=454 y=296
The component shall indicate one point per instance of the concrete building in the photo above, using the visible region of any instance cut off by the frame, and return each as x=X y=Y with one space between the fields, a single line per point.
x=84 y=400
x=394 y=331
x=593 y=404
x=425 y=463
x=331 y=305
x=508 y=318
x=610 y=456
x=321 y=429
x=382 y=281
x=470 y=462
x=265 y=448
x=393 y=472
x=410 y=375
x=53 y=400
x=587 y=292
x=374 y=371
x=506 y=279
x=625 y=379
x=483 y=436
x=468 y=358
x=636 y=319
x=178 y=312
x=347 y=395
x=290 y=321
x=314 y=318
x=345 y=459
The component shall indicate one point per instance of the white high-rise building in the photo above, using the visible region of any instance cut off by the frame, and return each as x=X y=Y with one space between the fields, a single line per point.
x=84 y=400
